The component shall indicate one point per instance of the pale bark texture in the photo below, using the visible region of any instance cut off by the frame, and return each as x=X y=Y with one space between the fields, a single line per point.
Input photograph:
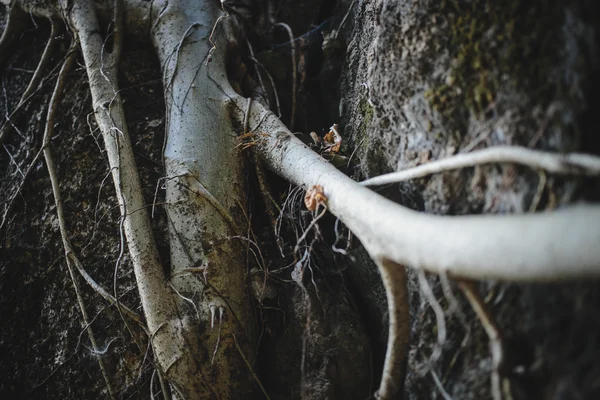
x=206 y=189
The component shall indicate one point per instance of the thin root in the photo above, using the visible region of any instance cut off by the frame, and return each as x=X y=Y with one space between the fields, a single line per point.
x=573 y=163
x=258 y=382
x=294 y=70
x=500 y=385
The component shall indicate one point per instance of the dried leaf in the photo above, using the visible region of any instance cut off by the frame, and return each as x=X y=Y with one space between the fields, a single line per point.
x=333 y=139
x=314 y=197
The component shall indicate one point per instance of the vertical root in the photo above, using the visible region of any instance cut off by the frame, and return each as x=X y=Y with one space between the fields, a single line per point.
x=294 y=71
x=221 y=311
x=60 y=213
x=14 y=27
x=500 y=386
x=258 y=382
x=258 y=63
x=394 y=280
x=439 y=317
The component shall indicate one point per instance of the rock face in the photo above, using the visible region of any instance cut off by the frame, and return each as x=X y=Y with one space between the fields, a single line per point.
x=418 y=81
x=426 y=80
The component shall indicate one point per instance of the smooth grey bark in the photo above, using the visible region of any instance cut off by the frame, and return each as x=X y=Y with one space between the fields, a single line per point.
x=205 y=188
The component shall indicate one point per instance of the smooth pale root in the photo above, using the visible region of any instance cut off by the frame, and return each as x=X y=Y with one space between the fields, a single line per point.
x=556 y=245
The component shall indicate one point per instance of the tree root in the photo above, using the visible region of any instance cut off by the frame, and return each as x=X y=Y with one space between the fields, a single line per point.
x=14 y=27
x=439 y=318
x=394 y=367
x=510 y=248
x=158 y=300
x=55 y=30
x=294 y=70
x=564 y=164
x=61 y=218
x=500 y=386
x=513 y=248
x=254 y=375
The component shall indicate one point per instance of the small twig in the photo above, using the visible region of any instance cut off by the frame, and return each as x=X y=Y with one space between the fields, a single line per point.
x=439 y=385
x=307 y=230
x=260 y=79
x=14 y=195
x=294 y=71
x=337 y=239
x=187 y=299
x=221 y=310
x=354 y=151
x=203 y=192
x=454 y=307
x=152 y=395
x=102 y=292
x=572 y=163
x=185 y=35
x=258 y=382
x=200 y=190
x=12 y=159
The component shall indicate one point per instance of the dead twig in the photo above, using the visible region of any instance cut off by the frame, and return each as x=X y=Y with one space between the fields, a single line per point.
x=210 y=38
x=344 y=19
x=258 y=75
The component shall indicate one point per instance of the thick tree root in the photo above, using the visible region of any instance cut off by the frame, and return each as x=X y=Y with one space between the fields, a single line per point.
x=394 y=368
x=550 y=246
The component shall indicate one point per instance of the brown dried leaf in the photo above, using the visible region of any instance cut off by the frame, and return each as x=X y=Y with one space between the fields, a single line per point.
x=314 y=197
x=333 y=139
